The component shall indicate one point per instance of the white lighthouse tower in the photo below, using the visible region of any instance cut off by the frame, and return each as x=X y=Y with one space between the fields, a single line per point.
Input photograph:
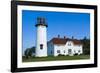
x=41 y=41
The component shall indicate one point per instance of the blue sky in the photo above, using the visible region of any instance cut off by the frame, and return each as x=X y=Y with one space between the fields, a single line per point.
x=63 y=23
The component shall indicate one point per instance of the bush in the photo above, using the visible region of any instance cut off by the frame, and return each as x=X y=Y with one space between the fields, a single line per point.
x=76 y=54
x=61 y=55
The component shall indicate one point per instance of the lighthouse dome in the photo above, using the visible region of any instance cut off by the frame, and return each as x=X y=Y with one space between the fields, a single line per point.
x=41 y=22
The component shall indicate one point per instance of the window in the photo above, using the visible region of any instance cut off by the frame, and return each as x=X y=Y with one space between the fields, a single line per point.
x=58 y=51
x=79 y=51
x=74 y=51
x=69 y=51
x=41 y=46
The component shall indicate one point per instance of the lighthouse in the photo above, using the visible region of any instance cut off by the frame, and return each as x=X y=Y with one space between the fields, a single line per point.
x=41 y=37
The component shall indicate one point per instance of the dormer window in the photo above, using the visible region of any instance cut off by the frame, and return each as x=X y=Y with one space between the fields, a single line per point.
x=41 y=46
x=69 y=44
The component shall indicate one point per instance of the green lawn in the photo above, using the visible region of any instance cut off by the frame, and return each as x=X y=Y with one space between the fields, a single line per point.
x=52 y=58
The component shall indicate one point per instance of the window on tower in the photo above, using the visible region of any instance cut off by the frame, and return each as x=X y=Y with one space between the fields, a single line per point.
x=41 y=46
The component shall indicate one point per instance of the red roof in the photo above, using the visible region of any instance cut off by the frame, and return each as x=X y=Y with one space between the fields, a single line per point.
x=58 y=41
x=62 y=41
x=75 y=41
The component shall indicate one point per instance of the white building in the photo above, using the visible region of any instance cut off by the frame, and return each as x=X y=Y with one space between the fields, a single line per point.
x=64 y=46
x=41 y=41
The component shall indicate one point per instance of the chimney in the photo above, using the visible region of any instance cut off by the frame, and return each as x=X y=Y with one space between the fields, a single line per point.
x=58 y=36
x=64 y=37
x=72 y=37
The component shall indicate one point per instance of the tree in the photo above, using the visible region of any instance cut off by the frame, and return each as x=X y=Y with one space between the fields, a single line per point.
x=29 y=52
x=26 y=53
x=86 y=45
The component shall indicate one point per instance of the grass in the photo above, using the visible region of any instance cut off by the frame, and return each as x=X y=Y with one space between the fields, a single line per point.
x=52 y=58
